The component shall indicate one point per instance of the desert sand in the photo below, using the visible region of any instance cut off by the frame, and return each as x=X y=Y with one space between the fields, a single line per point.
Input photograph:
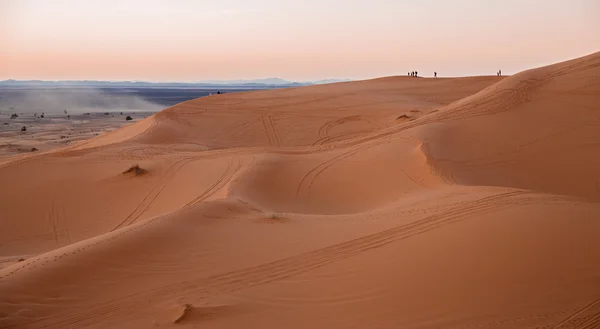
x=389 y=203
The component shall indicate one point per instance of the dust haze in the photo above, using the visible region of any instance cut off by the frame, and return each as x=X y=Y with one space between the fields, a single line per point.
x=72 y=100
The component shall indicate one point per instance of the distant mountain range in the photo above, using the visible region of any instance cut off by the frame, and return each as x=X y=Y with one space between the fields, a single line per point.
x=258 y=83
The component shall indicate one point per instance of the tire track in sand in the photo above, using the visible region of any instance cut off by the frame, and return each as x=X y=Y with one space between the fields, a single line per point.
x=576 y=320
x=227 y=175
x=287 y=267
x=284 y=268
x=308 y=179
x=270 y=130
x=65 y=226
x=53 y=224
x=153 y=194
x=59 y=229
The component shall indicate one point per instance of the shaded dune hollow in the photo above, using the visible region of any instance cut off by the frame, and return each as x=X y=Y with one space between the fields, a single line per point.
x=387 y=203
x=344 y=180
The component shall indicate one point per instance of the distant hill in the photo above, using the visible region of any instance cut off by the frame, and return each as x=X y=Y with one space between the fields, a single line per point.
x=258 y=83
x=267 y=81
x=320 y=82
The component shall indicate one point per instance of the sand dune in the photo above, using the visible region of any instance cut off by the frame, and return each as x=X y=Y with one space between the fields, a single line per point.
x=388 y=203
x=489 y=139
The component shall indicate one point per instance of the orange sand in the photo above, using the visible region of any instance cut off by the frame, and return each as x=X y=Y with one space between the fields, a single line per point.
x=390 y=203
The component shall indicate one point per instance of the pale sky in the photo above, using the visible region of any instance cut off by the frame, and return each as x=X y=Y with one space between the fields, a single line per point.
x=191 y=40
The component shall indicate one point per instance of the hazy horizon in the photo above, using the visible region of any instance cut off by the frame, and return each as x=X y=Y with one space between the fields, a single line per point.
x=186 y=41
x=209 y=81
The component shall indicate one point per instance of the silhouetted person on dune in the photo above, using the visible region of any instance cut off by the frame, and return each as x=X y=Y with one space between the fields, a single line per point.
x=435 y=74
x=416 y=74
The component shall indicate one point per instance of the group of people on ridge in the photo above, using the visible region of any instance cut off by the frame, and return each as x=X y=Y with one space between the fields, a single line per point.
x=416 y=74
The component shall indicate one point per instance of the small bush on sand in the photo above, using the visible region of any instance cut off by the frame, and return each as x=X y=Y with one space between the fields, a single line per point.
x=273 y=218
x=128 y=118
x=23 y=128
x=137 y=170
x=14 y=116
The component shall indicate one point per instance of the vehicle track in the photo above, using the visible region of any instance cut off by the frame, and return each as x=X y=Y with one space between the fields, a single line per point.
x=287 y=267
x=60 y=231
x=53 y=225
x=324 y=129
x=270 y=130
x=308 y=179
x=153 y=194
x=339 y=138
x=576 y=320
x=227 y=175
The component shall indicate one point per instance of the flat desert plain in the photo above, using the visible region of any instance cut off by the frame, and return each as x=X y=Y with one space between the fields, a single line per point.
x=31 y=133
x=390 y=203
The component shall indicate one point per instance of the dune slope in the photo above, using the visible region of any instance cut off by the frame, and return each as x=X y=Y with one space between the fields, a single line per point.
x=537 y=130
x=388 y=203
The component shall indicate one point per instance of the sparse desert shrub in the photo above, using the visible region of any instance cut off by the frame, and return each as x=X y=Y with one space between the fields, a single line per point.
x=137 y=170
x=128 y=118
x=23 y=128
x=275 y=218
x=14 y=116
x=34 y=149
x=21 y=259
